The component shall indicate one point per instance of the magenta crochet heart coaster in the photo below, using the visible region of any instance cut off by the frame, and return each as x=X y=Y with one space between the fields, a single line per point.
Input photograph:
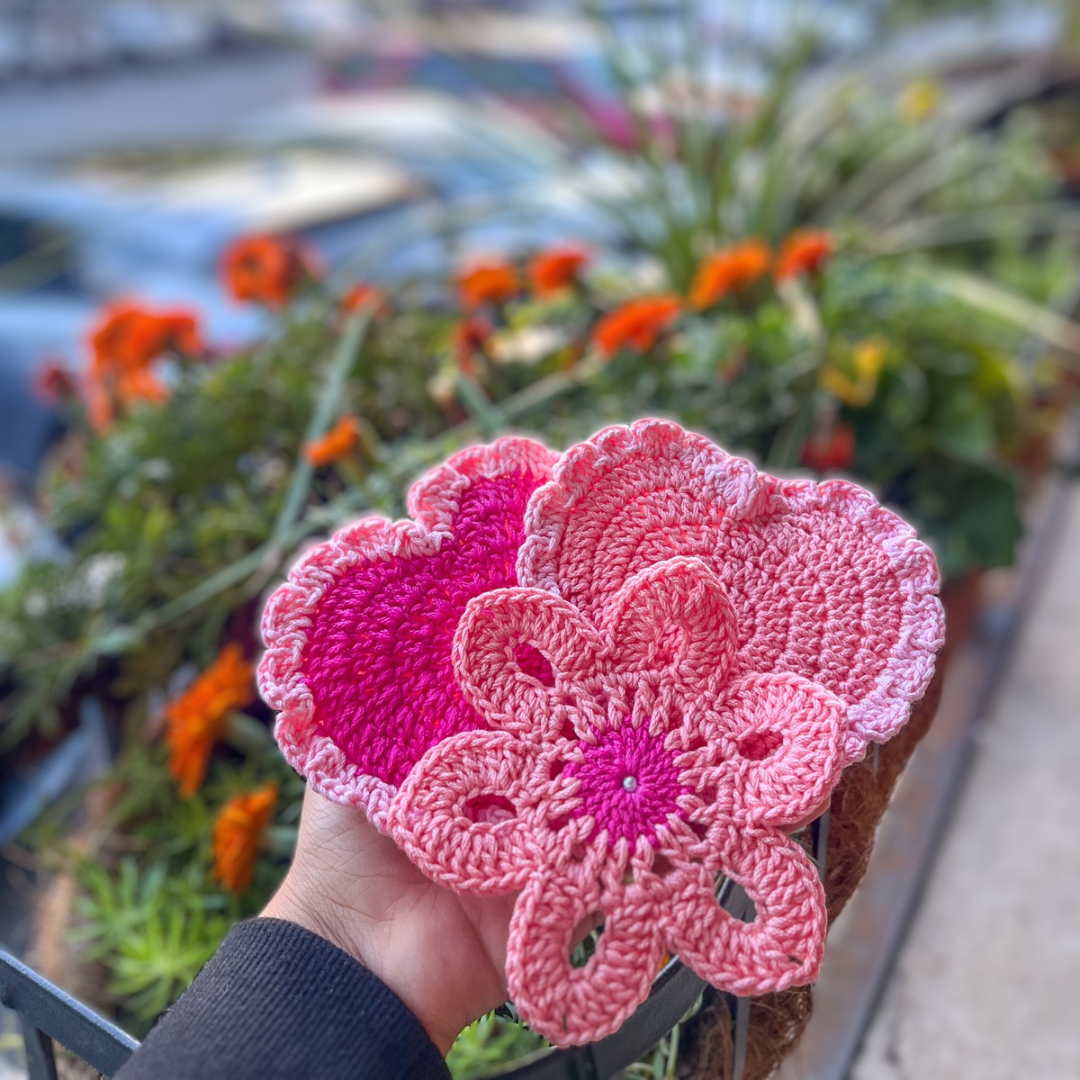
x=358 y=640
x=718 y=644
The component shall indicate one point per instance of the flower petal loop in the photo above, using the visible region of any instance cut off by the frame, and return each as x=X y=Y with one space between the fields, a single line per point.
x=572 y=1005
x=781 y=947
x=496 y=663
x=466 y=815
x=774 y=753
x=674 y=620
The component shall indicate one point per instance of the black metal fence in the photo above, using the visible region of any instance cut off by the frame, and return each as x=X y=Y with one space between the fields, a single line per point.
x=46 y=1013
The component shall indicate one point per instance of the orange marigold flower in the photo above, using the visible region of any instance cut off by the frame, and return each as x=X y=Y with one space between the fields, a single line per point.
x=362 y=294
x=804 y=252
x=128 y=337
x=830 y=450
x=470 y=336
x=488 y=283
x=729 y=270
x=340 y=440
x=638 y=324
x=238 y=833
x=179 y=330
x=194 y=720
x=124 y=344
x=556 y=269
x=266 y=269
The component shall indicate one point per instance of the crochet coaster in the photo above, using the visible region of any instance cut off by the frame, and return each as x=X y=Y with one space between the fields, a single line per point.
x=358 y=640
x=717 y=645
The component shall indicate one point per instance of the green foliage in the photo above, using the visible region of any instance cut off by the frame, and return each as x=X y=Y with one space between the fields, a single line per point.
x=153 y=930
x=851 y=149
x=488 y=1045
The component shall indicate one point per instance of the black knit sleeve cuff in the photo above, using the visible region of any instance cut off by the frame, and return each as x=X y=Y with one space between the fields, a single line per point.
x=277 y=1002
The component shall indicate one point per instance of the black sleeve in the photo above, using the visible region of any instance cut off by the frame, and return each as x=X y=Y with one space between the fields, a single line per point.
x=277 y=1002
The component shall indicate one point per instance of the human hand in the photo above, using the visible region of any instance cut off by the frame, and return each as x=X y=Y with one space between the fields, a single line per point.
x=443 y=954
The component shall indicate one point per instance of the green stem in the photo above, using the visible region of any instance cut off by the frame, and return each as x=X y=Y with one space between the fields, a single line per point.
x=488 y=417
x=784 y=451
x=329 y=396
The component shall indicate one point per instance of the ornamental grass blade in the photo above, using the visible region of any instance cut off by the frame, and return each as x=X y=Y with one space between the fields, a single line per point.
x=329 y=396
x=1040 y=321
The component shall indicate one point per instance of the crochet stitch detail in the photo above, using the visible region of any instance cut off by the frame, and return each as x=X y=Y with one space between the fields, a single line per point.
x=642 y=769
x=359 y=638
x=825 y=583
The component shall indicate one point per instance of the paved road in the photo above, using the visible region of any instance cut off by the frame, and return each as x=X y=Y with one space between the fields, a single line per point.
x=985 y=986
x=150 y=106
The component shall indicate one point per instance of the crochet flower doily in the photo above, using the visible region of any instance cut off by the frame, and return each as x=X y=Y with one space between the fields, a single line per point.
x=718 y=644
x=358 y=640
x=620 y=787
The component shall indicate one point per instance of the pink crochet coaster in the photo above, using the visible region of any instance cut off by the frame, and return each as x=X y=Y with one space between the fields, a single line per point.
x=358 y=640
x=718 y=644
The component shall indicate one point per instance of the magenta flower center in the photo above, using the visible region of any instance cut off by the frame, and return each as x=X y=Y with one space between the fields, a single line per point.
x=629 y=783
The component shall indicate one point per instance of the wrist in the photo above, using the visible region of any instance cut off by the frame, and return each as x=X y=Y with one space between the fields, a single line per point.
x=302 y=908
x=374 y=945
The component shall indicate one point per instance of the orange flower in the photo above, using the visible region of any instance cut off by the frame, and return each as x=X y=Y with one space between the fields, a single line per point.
x=238 y=833
x=638 y=324
x=361 y=294
x=266 y=269
x=341 y=439
x=180 y=331
x=729 y=270
x=194 y=720
x=556 y=269
x=488 y=283
x=830 y=450
x=124 y=344
x=470 y=336
x=804 y=252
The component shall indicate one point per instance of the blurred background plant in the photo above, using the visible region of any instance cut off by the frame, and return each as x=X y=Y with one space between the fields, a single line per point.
x=830 y=258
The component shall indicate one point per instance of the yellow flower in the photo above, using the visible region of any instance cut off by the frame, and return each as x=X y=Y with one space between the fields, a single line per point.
x=857 y=385
x=919 y=100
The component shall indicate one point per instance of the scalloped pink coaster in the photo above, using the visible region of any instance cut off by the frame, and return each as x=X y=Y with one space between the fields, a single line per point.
x=825 y=582
x=358 y=640
x=718 y=644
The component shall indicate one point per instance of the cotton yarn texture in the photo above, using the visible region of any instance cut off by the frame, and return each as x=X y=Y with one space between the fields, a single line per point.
x=601 y=682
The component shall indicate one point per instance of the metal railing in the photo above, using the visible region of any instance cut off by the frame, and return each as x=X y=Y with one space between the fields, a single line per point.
x=46 y=1013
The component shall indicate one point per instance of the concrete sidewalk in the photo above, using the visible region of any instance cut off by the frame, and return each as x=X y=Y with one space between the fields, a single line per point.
x=985 y=985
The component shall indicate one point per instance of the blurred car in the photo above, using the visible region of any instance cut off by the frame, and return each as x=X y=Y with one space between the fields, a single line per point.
x=143 y=32
x=551 y=70
x=58 y=40
x=458 y=148
x=11 y=52
x=70 y=242
x=315 y=21
x=500 y=182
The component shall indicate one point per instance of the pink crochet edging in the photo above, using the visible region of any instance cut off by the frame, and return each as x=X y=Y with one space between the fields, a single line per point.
x=298 y=661
x=825 y=581
x=622 y=786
